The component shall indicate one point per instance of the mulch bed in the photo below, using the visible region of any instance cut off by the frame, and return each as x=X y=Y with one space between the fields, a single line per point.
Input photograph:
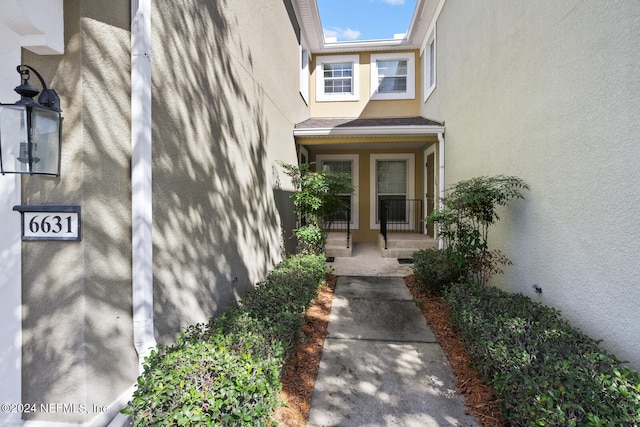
x=300 y=371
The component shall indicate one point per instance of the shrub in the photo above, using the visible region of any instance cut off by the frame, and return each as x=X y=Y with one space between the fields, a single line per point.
x=227 y=372
x=317 y=202
x=434 y=271
x=311 y=239
x=470 y=207
x=544 y=371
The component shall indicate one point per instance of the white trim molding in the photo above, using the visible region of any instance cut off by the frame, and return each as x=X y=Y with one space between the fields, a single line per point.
x=355 y=177
x=429 y=65
x=354 y=95
x=411 y=181
x=410 y=90
x=369 y=131
x=38 y=23
x=141 y=180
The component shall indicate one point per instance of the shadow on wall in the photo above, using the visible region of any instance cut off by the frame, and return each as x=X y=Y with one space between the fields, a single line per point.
x=216 y=220
x=77 y=327
x=216 y=226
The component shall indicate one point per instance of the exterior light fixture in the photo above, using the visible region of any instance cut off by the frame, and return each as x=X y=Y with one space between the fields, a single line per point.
x=30 y=131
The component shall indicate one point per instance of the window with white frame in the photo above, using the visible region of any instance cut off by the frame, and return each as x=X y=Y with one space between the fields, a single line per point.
x=337 y=78
x=393 y=76
x=345 y=163
x=392 y=178
x=304 y=74
x=429 y=65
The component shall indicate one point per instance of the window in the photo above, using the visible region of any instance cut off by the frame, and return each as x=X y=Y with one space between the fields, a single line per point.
x=393 y=76
x=392 y=178
x=429 y=65
x=304 y=74
x=346 y=163
x=337 y=78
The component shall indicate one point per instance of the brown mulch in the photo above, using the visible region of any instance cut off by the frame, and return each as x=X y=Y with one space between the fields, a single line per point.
x=300 y=371
x=478 y=396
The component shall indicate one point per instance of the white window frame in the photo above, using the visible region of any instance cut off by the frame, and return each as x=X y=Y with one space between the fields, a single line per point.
x=410 y=93
x=321 y=96
x=305 y=60
x=411 y=181
x=429 y=66
x=320 y=158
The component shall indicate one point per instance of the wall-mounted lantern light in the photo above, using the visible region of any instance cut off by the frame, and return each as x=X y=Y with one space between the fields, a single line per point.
x=30 y=131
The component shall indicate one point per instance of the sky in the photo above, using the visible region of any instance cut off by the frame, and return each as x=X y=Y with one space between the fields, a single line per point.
x=365 y=19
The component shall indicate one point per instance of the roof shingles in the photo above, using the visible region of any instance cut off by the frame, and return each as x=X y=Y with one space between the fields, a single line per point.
x=323 y=123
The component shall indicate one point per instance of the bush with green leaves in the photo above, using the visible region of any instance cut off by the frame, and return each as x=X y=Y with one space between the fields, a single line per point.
x=434 y=271
x=544 y=371
x=317 y=201
x=470 y=207
x=227 y=372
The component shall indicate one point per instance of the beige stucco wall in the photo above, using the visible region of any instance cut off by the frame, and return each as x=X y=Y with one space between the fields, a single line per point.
x=225 y=101
x=549 y=92
x=365 y=107
x=224 y=108
x=77 y=326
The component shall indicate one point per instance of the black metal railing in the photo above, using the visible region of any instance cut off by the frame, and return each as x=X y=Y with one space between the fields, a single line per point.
x=398 y=214
x=340 y=222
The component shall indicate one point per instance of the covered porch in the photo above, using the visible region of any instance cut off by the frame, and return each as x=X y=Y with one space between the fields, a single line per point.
x=397 y=167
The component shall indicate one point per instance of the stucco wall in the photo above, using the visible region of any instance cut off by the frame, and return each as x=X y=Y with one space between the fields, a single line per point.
x=77 y=334
x=225 y=100
x=549 y=92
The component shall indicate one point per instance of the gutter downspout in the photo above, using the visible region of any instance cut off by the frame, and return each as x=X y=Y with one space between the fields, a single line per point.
x=141 y=180
x=441 y=179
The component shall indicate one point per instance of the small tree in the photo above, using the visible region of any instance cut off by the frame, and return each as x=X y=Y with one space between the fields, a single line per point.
x=469 y=209
x=316 y=202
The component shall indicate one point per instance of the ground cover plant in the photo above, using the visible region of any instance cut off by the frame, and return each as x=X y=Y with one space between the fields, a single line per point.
x=227 y=372
x=544 y=371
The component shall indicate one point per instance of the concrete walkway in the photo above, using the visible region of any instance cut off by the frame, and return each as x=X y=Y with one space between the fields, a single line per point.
x=367 y=261
x=381 y=364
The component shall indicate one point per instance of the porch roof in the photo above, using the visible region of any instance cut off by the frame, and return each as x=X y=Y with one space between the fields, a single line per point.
x=354 y=127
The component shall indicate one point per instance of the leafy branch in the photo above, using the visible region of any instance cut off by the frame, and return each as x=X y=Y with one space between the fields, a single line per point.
x=470 y=207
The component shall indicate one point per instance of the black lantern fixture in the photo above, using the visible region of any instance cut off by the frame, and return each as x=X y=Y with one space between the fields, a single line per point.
x=30 y=131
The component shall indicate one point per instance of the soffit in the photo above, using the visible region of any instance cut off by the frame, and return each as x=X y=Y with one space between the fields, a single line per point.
x=312 y=28
x=367 y=127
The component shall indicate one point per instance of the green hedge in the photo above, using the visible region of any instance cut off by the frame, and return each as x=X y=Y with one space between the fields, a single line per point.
x=545 y=372
x=227 y=372
x=434 y=271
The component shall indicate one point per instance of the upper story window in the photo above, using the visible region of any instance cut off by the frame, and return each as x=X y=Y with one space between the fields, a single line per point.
x=304 y=74
x=337 y=78
x=393 y=76
x=429 y=65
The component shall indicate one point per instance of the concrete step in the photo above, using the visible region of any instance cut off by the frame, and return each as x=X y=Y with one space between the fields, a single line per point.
x=338 y=251
x=403 y=245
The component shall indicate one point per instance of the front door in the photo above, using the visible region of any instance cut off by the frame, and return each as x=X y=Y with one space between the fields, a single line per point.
x=392 y=179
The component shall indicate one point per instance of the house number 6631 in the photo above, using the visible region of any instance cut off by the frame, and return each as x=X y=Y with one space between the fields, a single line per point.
x=50 y=222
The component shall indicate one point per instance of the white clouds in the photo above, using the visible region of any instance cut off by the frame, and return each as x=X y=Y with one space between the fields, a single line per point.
x=393 y=2
x=341 y=33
